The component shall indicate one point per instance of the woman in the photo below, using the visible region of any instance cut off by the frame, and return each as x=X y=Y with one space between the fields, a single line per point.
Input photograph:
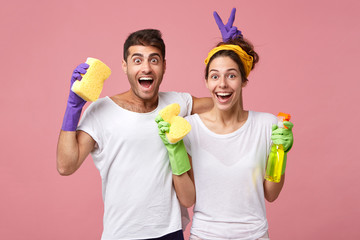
x=229 y=147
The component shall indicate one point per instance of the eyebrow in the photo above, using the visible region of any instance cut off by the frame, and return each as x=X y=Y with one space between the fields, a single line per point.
x=227 y=70
x=141 y=55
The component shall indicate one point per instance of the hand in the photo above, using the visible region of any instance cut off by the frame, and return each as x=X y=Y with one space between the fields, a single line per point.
x=74 y=100
x=283 y=136
x=228 y=31
x=164 y=128
x=74 y=103
x=179 y=160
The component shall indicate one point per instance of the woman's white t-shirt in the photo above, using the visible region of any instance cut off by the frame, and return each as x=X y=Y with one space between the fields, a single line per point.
x=229 y=173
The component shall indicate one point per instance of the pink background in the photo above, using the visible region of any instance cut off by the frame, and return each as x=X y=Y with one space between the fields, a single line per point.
x=309 y=55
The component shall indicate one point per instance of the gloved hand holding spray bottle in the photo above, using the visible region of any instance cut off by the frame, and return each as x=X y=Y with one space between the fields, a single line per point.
x=282 y=138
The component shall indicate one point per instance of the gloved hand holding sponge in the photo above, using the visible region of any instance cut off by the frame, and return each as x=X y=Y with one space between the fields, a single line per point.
x=86 y=82
x=172 y=129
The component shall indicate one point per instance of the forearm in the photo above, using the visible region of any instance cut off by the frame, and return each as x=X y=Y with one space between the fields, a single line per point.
x=185 y=189
x=272 y=189
x=73 y=148
x=67 y=153
x=201 y=105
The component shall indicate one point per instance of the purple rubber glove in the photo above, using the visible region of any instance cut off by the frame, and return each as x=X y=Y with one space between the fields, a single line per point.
x=75 y=103
x=228 y=31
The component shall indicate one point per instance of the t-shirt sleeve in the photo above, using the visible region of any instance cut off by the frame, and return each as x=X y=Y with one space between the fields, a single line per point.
x=90 y=125
x=188 y=101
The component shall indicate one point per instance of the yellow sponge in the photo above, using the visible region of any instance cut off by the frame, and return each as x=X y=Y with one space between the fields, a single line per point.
x=179 y=127
x=92 y=82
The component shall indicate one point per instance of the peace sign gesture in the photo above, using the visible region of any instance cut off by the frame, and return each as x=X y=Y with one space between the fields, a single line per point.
x=228 y=31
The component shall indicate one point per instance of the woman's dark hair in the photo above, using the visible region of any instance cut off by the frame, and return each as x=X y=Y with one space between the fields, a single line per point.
x=145 y=37
x=245 y=45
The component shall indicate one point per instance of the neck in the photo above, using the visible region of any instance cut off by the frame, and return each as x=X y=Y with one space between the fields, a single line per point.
x=130 y=101
x=231 y=116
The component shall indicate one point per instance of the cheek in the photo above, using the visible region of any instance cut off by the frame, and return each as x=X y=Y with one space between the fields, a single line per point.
x=208 y=84
x=160 y=70
x=236 y=85
x=211 y=86
x=132 y=70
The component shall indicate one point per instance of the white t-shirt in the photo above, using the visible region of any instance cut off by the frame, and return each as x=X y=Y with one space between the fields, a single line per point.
x=139 y=198
x=229 y=173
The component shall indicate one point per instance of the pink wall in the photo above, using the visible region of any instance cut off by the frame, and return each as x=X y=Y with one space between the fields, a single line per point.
x=309 y=60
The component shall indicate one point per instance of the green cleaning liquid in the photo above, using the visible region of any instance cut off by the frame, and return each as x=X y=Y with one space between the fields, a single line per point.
x=275 y=163
x=276 y=157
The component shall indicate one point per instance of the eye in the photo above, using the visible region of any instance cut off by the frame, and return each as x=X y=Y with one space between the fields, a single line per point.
x=232 y=76
x=137 y=60
x=214 y=77
x=154 y=60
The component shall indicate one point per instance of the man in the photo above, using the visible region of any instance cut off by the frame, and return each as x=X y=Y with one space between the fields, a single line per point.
x=122 y=136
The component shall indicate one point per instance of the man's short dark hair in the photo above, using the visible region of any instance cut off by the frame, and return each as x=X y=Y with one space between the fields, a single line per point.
x=145 y=37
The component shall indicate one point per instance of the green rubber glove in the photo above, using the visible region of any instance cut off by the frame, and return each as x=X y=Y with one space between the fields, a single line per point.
x=285 y=137
x=179 y=160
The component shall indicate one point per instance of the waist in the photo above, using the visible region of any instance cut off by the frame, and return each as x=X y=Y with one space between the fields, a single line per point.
x=246 y=228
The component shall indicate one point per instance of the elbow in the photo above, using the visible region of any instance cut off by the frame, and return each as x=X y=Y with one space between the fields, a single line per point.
x=187 y=202
x=271 y=198
x=64 y=166
x=64 y=170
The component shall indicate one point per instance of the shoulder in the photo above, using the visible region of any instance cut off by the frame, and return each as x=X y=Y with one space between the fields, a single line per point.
x=98 y=104
x=183 y=99
x=265 y=118
x=175 y=95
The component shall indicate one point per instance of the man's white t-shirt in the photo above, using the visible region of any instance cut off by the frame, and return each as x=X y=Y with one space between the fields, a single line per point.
x=229 y=173
x=139 y=198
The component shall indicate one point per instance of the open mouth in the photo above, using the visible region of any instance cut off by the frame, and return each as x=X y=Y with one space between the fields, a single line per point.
x=145 y=81
x=223 y=96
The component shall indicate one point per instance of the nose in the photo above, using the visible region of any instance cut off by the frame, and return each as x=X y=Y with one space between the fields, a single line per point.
x=146 y=67
x=222 y=83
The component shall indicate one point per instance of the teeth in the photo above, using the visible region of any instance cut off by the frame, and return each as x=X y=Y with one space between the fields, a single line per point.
x=145 y=79
x=223 y=94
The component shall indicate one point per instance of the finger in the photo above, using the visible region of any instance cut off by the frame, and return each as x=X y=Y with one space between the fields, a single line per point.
x=81 y=70
x=288 y=124
x=84 y=65
x=278 y=141
x=161 y=133
x=278 y=137
x=281 y=131
x=218 y=20
x=231 y=18
x=163 y=124
x=158 y=118
x=77 y=76
x=164 y=129
x=232 y=33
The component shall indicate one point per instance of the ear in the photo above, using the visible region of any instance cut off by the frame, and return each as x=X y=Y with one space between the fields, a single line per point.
x=124 y=66
x=164 y=65
x=243 y=84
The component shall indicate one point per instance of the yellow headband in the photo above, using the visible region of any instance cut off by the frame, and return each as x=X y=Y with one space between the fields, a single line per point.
x=246 y=59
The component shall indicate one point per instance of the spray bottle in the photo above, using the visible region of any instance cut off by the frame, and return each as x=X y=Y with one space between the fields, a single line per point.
x=276 y=156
